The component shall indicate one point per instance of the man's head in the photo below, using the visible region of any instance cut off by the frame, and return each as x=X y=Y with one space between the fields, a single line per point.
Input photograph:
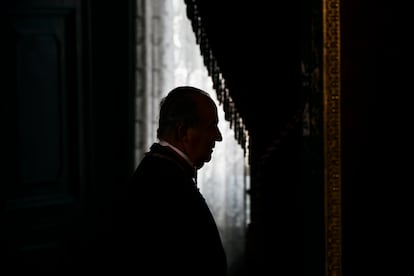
x=188 y=120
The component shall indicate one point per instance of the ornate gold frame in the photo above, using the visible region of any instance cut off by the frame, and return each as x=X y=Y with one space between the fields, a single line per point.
x=332 y=136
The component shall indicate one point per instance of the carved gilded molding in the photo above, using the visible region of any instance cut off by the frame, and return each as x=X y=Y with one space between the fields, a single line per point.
x=332 y=136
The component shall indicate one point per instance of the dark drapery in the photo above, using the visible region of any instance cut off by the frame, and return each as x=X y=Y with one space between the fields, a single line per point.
x=199 y=24
x=252 y=51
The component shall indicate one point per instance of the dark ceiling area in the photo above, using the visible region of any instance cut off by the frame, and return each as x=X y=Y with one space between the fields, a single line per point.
x=258 y=50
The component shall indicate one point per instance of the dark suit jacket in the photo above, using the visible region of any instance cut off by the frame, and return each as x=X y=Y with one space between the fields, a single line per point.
x=167 y=227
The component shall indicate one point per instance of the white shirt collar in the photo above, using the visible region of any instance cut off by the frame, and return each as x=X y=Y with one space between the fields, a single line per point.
x=182 y=154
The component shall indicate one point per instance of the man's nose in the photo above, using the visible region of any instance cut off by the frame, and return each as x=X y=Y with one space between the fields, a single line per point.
x=219 y=136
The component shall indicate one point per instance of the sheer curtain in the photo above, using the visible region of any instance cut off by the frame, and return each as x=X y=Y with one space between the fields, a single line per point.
x=168 y=56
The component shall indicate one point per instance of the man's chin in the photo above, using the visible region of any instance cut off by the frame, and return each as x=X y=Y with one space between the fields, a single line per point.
x=201 y=163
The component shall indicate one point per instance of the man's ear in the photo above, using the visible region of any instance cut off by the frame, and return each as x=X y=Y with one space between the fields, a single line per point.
x=181 y=132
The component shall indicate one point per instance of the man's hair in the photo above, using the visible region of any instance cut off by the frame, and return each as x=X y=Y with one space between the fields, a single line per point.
x=179 y=108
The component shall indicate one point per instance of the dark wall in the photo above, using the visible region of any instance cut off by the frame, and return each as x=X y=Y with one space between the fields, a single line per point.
x=376 y=72
x=67 y=128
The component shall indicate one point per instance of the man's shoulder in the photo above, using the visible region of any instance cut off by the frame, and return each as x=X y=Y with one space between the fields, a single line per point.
x=158 y=167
